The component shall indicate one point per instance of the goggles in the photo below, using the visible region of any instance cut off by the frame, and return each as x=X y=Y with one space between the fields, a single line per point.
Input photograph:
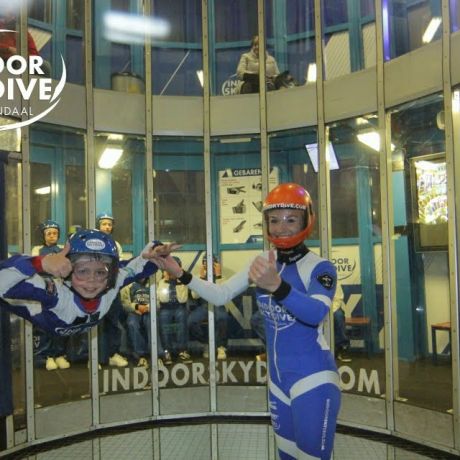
x=86 y=274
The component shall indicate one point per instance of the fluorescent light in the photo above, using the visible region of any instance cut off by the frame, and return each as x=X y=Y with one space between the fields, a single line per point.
x=115 y=137
x=133 y=28
x=311 y=73
x=456 y=101
x=199 y=74
x=431 y=29
x=372 y=140
x=43 y=190
x=109 y=157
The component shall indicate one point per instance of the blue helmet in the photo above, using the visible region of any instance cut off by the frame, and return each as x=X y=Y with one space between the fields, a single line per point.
x=103 y=215
x=141 y=295
x=98 y=246
x=49 y=224
x=46 y=224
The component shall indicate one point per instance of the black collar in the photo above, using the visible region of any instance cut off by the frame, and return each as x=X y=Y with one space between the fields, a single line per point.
x=292 y=255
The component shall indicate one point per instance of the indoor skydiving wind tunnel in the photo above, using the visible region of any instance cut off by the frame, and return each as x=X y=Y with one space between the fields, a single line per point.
x=154 y=138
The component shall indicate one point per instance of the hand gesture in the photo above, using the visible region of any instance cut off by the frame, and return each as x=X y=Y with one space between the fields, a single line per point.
x=142 y=308
x=58 y=264
x=161 y=256
x=263 y=272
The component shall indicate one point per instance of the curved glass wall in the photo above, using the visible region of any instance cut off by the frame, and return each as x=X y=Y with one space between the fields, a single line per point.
x=57 y=193
x=177 y=62
x=399 y=365
x=236 y=181
x=411 y=24
x=353 y=151
x=422 y=270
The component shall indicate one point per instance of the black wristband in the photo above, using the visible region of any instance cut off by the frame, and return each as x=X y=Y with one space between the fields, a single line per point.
x=282 y=292
x=185 y=278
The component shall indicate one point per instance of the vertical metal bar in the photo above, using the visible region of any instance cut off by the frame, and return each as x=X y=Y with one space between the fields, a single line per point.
x=208 y=211
x=90 y=176
x=323 y=207
x=264 y=146
x=25 y=150
x=453 y=171
x=388 y=258
x=148 y=10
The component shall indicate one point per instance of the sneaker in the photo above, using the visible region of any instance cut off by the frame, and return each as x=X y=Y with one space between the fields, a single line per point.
x=343 y=356
x=262 y=357
x=62 y=362
x=51 y=364
x=167 y=358
x=143 y=363
x=221 y=353
x=185 y=357
x=206 y=351
x=118 y=361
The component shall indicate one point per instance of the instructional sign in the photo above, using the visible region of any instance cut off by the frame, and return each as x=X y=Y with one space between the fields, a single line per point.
x=240 y=198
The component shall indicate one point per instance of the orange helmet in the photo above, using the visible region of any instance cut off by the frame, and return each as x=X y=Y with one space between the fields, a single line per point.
x=290 y=196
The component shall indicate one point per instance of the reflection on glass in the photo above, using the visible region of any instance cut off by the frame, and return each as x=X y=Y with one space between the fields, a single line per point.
x=119 y=60
x=421 y=252
x=177 y=60
x=350 y=37
x=410 y=25
x=358 y=303
x=58 y=207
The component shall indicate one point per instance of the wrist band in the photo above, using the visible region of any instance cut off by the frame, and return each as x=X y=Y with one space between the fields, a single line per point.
x=185 y=278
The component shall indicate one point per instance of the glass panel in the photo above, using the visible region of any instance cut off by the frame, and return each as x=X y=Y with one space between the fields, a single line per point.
x=41 y=39
x=118 y=46
x=179 y=198
x=411 y=24
x=421 y=251
x=237 y=198
x=121 y=213
x=454 y=16
x=58 y=199
x=177 y=63
x=357 y=254
x=14 y=241
x=235 y=26
x=349 y=37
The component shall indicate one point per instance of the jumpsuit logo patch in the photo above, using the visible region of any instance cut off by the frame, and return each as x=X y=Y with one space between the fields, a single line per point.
x=326 y=281
x=275 y=314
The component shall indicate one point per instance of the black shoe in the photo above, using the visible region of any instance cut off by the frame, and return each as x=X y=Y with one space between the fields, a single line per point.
x=342 y=356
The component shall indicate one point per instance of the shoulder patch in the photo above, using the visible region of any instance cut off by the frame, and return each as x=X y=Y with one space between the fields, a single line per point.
x=326 y=280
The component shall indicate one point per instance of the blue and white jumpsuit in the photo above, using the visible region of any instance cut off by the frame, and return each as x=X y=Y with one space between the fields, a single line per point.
x=51 y=304
x=304 y=383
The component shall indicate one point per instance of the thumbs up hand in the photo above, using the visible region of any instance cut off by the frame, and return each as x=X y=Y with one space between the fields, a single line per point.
x=58 y=264
x=263 y=272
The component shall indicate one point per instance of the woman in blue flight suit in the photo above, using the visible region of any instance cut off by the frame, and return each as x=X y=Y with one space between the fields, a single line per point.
x=295 y=288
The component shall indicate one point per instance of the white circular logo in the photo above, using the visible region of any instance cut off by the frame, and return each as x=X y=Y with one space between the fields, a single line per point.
x=95 y=244
x=39 y=85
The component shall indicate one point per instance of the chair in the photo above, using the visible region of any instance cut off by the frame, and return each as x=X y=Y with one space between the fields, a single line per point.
x=359 y=328
x=439 y=327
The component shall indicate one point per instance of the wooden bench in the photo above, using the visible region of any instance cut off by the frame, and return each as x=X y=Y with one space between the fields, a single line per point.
x=363 y=323
x=439 y=327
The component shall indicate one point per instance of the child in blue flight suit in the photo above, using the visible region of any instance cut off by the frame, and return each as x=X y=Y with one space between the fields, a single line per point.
x=86 y=277
x=295 y=288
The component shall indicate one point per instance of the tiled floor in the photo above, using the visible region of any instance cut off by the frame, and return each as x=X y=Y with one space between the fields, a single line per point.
x=236 y=441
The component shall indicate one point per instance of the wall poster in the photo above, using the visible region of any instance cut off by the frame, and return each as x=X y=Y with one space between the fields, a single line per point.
x=240 y=204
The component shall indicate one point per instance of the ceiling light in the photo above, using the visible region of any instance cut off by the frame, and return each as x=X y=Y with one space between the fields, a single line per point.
x=372 y=140
x=431 y=29
x=311 y=73
x=199 y=74
x=109 y=157
x=43 y=190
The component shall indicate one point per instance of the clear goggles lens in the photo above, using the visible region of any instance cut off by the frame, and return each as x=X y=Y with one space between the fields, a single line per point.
x=86 y=274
